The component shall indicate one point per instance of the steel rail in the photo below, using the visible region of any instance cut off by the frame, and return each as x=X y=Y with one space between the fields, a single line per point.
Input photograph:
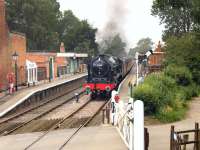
x=37 y=106
x=83 y=125
x=39 y=116
x=57 y=125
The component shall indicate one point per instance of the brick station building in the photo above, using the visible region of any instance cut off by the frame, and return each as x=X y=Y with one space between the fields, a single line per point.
x=9 y=42
x=45 y=65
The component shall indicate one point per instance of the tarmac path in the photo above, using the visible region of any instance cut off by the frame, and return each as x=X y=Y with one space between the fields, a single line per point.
x=159 y=135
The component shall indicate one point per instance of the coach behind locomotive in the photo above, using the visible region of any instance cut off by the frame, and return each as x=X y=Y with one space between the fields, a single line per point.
x=104 y=74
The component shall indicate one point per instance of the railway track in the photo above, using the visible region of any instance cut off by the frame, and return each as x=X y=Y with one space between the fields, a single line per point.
x=18 y=121
x=42 y=96
x=35 y=106
x=85 y=114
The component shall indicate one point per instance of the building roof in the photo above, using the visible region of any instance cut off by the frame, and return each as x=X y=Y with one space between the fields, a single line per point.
x=72 y=55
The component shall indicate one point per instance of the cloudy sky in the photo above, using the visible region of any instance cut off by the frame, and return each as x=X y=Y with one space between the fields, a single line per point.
x=136 y=16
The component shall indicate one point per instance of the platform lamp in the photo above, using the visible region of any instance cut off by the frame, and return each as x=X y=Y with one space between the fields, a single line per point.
x=15 y=58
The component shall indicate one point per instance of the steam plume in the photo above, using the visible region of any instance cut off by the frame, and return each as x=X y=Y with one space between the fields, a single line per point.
x=117 y=12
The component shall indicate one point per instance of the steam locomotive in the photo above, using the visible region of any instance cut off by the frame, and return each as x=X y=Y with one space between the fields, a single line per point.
x=105 y=72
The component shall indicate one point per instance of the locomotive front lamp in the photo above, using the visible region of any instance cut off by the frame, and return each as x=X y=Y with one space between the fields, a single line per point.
x=15 y=58
x=107 y=88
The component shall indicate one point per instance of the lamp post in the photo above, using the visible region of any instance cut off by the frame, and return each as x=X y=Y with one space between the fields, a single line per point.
x=15 y=57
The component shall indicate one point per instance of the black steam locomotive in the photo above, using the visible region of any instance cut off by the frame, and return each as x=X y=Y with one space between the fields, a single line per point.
x=105 y=72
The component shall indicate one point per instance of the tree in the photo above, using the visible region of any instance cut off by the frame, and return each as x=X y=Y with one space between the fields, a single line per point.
x=176 y=15
x=46 y=26
x=196 y=11
x=78 y=36
x=143 y=45
x=184 y=51
x=67 y=29
x=38 y=19
x=113 y=46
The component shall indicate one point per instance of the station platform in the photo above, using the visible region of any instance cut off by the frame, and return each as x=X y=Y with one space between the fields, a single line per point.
x=90 y=138
x=10 y=102
x=124 y=89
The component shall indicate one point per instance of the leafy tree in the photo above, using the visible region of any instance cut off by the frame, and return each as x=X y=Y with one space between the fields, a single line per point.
x=143 y=46
x=184 y=51
x=196 y=11
x=113 y=46
x=67 y=29
x=77 y=35
x=37 y=19
x=175 y=14
x=46 y=26
x=86 y=37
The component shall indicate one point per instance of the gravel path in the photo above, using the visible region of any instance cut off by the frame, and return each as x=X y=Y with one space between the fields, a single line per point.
x=159 y=134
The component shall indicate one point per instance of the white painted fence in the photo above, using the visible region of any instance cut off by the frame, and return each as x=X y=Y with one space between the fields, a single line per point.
x=129 y=120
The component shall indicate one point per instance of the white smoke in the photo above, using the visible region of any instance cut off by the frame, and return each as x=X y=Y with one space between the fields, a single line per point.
x=117 y=10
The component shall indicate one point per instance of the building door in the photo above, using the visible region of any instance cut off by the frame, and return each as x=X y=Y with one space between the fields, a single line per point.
x=71 y=66
x=51 y=68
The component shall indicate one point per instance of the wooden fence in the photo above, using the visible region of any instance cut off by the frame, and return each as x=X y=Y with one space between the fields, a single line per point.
x=180 y=139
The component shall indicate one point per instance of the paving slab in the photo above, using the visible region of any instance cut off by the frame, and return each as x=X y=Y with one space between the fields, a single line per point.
x=90 y=138
x=124 y=89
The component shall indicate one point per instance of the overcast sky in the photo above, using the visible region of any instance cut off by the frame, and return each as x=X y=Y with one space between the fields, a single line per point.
x=138 y=22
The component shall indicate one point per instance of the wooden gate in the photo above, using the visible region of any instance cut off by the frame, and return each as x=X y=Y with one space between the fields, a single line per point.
x=180 y=139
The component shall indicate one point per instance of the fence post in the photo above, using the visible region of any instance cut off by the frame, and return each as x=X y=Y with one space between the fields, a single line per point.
x=171 y=138
x=103 y=115
x=138 y=125
x=196 y=136
x=131 y=136
x=108 y=114
x=146 y=138
x=185 y=139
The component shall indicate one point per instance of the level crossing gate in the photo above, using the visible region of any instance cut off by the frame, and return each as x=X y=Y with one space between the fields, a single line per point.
x=129 y=121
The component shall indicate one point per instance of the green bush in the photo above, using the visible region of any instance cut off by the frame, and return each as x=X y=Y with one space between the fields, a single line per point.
x=156 y=92
x=148 y=95
x=187 y=92
x=181 y=74
x=171 y=115
x=165 y=94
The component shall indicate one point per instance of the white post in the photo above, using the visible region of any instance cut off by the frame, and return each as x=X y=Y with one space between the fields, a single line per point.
x=137 y=70
x=138 y=125
x=33 y=74
x=113 y=110
x=36 y=78
x=131 y=125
